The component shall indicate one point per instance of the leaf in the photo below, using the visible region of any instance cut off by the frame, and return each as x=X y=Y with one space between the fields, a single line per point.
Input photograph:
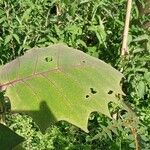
x=26 y=14
x=99 y=31
x=114 y=130
x=147 y=77
x=82 y=43
x=141 y=89
x=2 y=19
x=60 y=83
x=84 y=1
x=7 y=39
x=8 y=138
x=16 y=38
x=141 y=38
x=93 y=51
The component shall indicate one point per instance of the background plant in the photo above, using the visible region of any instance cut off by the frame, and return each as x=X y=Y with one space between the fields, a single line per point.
x=96 y=28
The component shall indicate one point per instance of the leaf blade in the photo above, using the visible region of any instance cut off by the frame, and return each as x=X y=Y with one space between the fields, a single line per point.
x=61 y=83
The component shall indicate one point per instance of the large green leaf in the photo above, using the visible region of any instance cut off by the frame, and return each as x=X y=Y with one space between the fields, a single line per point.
x=8 y=138
x=60 y=83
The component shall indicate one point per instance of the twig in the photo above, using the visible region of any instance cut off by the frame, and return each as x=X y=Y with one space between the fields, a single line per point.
x=135 y=136
x=58 y=10
x=130 y=122
x=124 y=49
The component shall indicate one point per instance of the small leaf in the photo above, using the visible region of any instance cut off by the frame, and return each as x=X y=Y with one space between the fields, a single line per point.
x=84 y=1
x=132 y=145
x=16 y=38
x=147 y=77
x=58 y=31
x=7 y=39
x=8 y=138
x=82 y=43
x=141 y=89
x=114 y=129
x=26 y=14
x=129 y=39
x=109 y=133
x=2 y=19
x=141 y=38
x=93 y=51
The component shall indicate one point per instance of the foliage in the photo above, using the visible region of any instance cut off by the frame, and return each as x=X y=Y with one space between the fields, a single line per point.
x=96 y=28
x=27 y=24
x=137 y=87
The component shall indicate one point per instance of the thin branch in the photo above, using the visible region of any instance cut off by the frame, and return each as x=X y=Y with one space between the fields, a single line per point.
x=124 y=49
x=136 y=140
x=58 y=10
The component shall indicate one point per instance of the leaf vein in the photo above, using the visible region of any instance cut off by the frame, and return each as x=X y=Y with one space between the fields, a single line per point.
x=58 y=89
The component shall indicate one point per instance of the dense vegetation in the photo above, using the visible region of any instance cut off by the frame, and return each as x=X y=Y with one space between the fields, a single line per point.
x=96 y=28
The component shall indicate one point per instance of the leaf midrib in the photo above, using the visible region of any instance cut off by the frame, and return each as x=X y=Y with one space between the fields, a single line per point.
x=39 y=73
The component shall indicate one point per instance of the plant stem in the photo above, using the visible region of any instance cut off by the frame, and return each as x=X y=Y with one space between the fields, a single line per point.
x=124 y=49
x=133 y=129
x=135 y=136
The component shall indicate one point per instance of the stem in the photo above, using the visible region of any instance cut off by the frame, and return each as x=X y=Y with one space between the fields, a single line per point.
x=135 y=136
x=58 y=10
x=124 y=49
x=133 y=129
